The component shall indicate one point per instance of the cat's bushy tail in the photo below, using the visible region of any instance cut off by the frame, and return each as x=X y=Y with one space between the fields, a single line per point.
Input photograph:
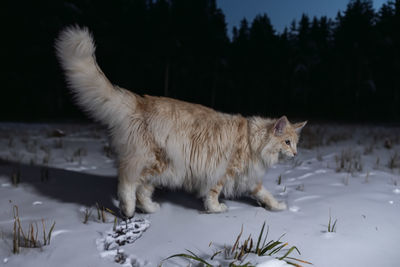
x=93 y=91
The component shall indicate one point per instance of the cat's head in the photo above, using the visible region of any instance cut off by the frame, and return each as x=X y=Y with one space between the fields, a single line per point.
x=273 y=137
x=285 y=136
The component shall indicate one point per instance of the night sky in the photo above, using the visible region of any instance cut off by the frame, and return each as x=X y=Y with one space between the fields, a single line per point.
x=342 y=71
x=281 y=12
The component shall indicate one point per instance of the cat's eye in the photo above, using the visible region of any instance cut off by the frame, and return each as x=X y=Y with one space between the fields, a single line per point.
x=287 y=142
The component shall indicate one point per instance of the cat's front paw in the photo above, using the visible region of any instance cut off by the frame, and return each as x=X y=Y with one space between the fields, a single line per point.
x=127 y=211
x=218 y=208
x=279 y=206
x=150 y=207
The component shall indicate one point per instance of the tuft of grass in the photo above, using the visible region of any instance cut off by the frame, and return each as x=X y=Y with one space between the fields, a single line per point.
x=47 y=154
x=377 y=162
x=16 y=176
x=394 y=161
x=77 y=155
x=349 y=161
x=312 y=136
x=102 y=213
x=300 y=187
x=107 y=150
x=237 y=254
x=331 y=224
x=87 y=214
x=80 y=152
x=388 y=144
x=29 y=238
x=101 y=216
x=279 y=179
x=368 y=149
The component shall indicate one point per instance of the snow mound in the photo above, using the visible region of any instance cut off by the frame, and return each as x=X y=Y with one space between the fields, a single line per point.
x=273 y=263
x=126 y=232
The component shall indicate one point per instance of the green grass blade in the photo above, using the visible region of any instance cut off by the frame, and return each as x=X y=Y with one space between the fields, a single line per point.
x=269 y=247
x=334 y=226
x=266 y=235
x=192 y=257
x=50 y=231
x=281 y=237
x=288 y=252
x=215 y=254
x=259 y=238
x=329 y=224
x=276 y=250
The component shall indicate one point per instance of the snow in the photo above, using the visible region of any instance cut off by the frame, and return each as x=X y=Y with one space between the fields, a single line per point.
x=124 y=233
x=273 y=263
x=63 y=176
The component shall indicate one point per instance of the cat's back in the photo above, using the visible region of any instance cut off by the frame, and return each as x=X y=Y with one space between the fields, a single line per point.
x=181 y=114
x=178 y=122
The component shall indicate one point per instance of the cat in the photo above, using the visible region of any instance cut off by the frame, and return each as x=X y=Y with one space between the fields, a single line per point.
x=163 y=142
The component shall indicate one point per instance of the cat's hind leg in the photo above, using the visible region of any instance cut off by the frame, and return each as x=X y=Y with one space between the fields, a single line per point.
x=143 y=194
x=211 y=202
x=266 y=198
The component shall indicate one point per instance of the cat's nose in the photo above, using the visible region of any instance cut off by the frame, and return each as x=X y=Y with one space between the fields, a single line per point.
x=294 y=154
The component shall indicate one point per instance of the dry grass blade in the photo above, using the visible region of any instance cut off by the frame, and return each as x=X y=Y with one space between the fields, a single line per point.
x=88 y=213
x=31 y=240
x=299 y=260
x=235 y=245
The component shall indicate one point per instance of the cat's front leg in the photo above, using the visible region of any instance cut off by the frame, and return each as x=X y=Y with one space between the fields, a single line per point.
x=127 y=197
x=127 y=185
x=143 y=195
x=211 y=202
x=266 y=198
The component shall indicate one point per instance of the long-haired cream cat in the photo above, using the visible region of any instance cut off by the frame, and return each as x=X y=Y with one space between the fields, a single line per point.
x=169 y=143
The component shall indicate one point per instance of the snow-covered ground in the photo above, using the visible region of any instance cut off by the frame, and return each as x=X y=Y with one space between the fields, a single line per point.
x=344 y=173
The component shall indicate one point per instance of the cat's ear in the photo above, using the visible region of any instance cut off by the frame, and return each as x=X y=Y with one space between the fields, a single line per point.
x=280 y=125
x=298 y=126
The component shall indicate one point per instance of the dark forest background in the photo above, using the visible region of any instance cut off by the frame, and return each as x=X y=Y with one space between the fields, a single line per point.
x=346 y=68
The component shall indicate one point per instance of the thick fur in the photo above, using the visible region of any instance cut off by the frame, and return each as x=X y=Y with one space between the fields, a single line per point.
x=169 y=143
